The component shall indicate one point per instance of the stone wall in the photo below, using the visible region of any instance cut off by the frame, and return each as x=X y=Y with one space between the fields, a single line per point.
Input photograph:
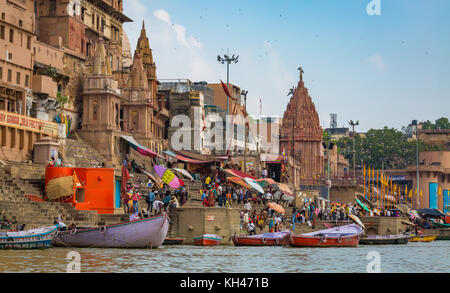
x=193 y=222
x=384 y=225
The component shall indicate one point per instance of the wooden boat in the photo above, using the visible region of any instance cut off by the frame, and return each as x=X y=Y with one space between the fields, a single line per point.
x=384 y=239
x=266 y=239
x=29 y=239
x=145 y=233
x=423 y=238
x=173 y=241
x=441 y=225
x=207 y=240
x=344 y=236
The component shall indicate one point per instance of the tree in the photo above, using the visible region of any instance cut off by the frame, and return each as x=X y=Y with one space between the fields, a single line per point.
x=442 y=123
x=387 y=146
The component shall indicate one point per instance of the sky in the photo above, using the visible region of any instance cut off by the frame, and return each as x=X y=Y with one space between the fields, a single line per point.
x=380 y=65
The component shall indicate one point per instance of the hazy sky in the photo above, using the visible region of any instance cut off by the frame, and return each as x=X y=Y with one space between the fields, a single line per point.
x=383 y=70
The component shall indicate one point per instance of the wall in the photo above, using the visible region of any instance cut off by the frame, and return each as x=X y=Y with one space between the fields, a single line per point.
x=192 y=222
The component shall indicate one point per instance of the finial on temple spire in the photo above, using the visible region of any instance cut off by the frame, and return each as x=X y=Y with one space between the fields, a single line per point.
x=301 y=73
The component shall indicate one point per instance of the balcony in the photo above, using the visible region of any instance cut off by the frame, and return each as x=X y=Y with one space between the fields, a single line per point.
x=42 y=84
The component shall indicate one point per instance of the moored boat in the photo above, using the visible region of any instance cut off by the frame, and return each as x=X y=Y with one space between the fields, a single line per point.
x=173 y=241
x=344 y=236
x=266 y=239
x=207 y=240
x=29 y=239
x=145 y=233
x=423 y=238
x=384 y=239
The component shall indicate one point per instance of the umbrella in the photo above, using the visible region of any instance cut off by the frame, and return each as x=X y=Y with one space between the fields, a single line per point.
x=431 y=212
x=362 y=205
x=168 y=177
x=239 y=181
x=356 y=220
x=184 y=173
x=254 y=184
x=285 y=188
x=414 y=214
x=276 y=207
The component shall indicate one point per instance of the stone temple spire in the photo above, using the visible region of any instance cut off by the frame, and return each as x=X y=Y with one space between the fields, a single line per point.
x=143 y=48
x=137 y=79
x=101 y=65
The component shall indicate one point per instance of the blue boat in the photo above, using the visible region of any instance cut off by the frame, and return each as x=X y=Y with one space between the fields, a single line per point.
x=29 y=239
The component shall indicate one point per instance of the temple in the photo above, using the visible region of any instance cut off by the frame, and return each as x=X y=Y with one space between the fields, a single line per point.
x=301 y=138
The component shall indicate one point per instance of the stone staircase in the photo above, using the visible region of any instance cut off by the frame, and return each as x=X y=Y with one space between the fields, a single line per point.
x=15 y=206
x=79 y=153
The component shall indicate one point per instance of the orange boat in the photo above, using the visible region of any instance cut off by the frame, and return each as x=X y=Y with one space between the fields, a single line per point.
x=267 y=239
x=207 y=240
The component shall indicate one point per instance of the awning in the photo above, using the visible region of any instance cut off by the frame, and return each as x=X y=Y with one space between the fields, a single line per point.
x=254 y=184
x=186 y=159
x=236 y=173
x=138 y=147
x=203 y=157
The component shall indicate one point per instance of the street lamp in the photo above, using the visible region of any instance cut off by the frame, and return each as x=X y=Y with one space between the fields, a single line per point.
x=244 y=93
x=415 y=132
x=353 y=124
x=227 y=59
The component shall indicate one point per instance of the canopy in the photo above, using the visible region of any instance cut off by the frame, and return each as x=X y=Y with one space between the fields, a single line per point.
x=168 y=177
x=239 y=181
x=138 y=147
x=237 y=173
x=362 y=205
x=184 y=173
x=276 y=207
x=265 y=181
x=431 y=212
x=254 y=184
x=186 y=159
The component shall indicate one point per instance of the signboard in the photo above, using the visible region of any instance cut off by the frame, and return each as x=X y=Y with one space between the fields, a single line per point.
x=211 y=218
x=27 y=123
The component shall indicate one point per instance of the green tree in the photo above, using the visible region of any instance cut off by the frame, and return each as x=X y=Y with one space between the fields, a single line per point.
x=442 y=123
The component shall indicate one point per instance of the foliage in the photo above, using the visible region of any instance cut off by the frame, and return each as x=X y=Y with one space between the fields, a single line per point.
x=48 y=70
x=387 y=146
x=61 y=99
x=441 y=123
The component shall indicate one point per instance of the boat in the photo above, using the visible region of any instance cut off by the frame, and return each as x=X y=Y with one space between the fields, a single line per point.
x=423 y=238
x=343 y=236
x=207 y=240
x=173 y=241
x=384 y=239
x=29 y=239
x=266 y=239
x=144 y=233
x=441 y=225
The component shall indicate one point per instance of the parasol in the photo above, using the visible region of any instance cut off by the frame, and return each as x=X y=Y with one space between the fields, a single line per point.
x=239 y=181
x=254 y=184
x=362 y=205
x=168 y=177
x=356 y=220
x=184 y=173
x=276 y=207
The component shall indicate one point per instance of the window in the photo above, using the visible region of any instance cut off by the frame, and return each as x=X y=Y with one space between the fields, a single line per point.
x=93 y=19
x=18 y=78
x=2 y=32
x=27 y=79
x=20 y=39
x=9 y=56
x=11 y=35
x=52 y=7
x=9 y=75
x=98 y=22
x=3 y=16
x=29 y=43
x=1 y=73
x=20 y=23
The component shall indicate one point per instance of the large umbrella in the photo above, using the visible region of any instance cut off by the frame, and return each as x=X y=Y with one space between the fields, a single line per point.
x=276 y=207
x=356 y=220
x=362 y=205
x=239 y=181
x=254 y=184
x=168 y=177
x=184 y=173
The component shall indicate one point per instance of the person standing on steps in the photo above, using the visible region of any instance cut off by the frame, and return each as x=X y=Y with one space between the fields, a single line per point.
x=150 y=200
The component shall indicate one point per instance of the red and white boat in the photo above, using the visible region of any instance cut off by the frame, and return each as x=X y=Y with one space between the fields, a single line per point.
x=266 y=239
x=207 y=240
x=344 y=236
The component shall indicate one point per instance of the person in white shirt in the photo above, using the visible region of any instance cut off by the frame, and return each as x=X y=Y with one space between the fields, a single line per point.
x=251 y=228
x=248 y=206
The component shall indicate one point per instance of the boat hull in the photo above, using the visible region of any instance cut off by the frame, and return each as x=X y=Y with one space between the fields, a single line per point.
x=271 y=239
x=385 y=240
x=31 y=239
x=324 y=241
x=429 y=238
x=206 y=241
x=145 y=233
x=173 y=241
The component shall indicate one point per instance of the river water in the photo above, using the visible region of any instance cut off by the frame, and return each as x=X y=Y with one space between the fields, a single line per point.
x=410 y=258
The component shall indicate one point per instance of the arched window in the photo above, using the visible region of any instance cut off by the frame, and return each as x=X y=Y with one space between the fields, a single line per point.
x=134 y=121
